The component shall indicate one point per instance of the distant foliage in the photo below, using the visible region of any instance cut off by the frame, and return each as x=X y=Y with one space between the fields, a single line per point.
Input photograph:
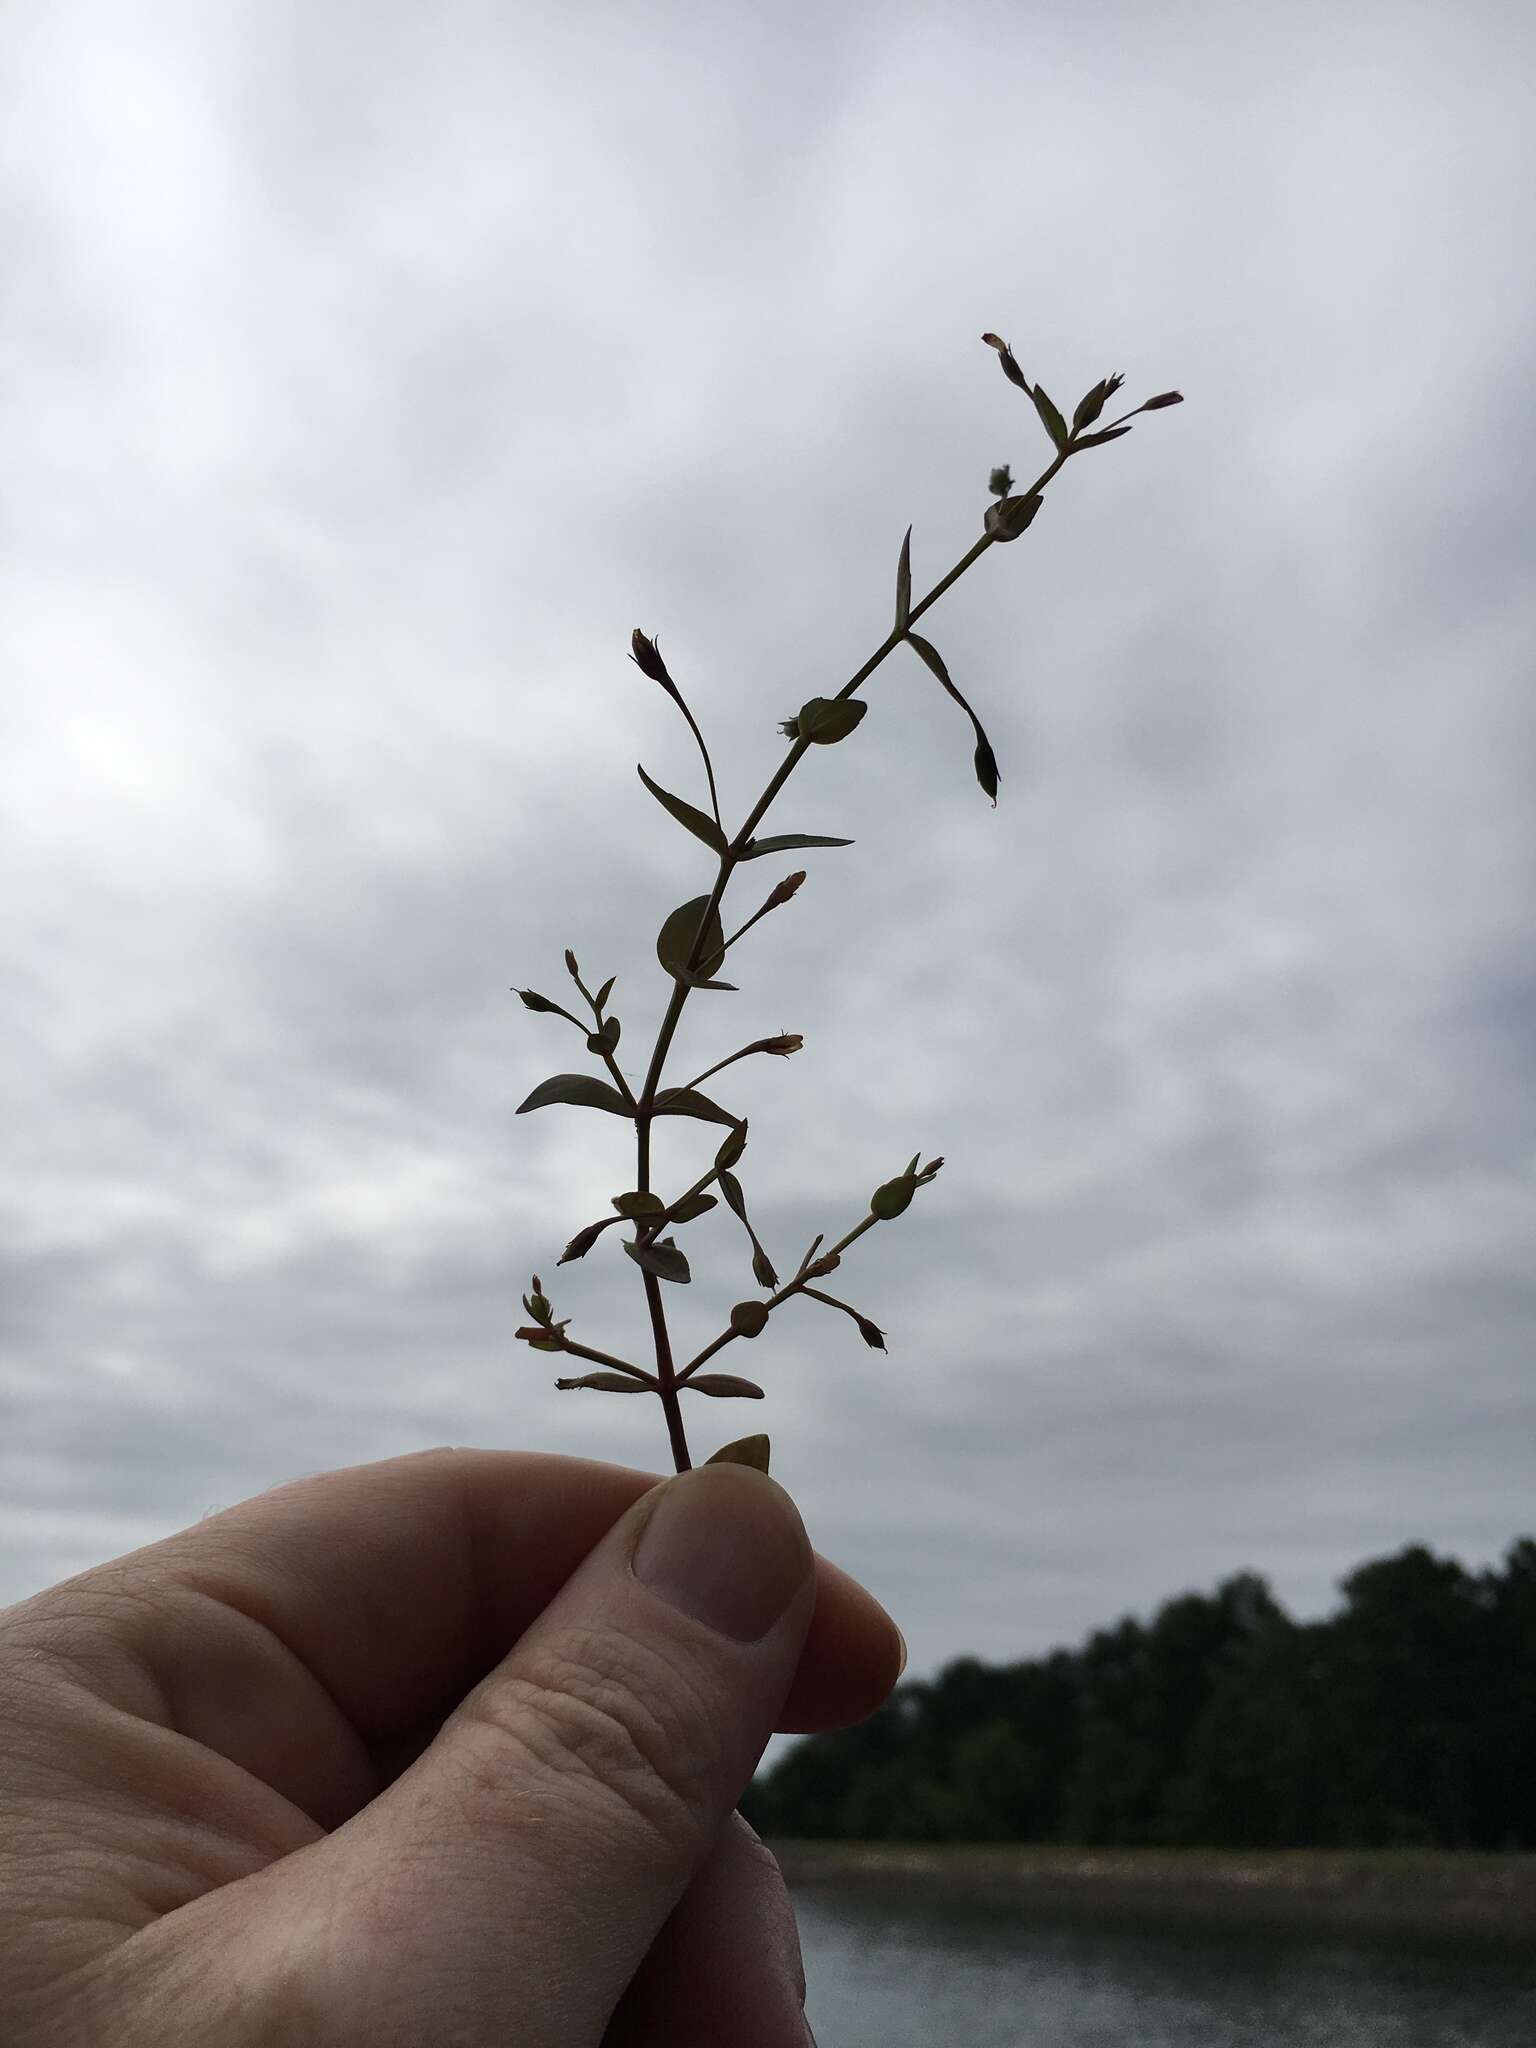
x=1407 y=1718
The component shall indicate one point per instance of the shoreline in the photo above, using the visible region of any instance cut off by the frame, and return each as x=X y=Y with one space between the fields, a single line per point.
x=1431 y=1894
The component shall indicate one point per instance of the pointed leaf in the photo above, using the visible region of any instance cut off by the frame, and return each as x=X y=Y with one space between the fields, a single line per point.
x=732 y=1147
x=730 y=1187
x=603 y=993
x=699 y=823
x=676 y=938
x=689 y=1102
x=723 y=1385
x=607 y=1383
x=696 y=1205
x=640 y=1204
x=661 y=1258
x=985 y=759
x=904 y=584
x=585 y=1090
x=1050 y=418
x=747 y=1450
x=1109 y=434
x=786 y=842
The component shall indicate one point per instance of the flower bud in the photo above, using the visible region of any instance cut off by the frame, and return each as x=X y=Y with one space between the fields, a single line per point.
x=532 y=1000
x=786 y=1043
x=1163 y=398
x=583 y=1241
x=762 y=1269
x=646 y=656
x=1011 y=369
x=1000 y=482
x=1092 y=404
x=782 y=891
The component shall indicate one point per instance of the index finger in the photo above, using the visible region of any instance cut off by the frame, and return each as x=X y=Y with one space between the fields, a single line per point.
x=400 y=1584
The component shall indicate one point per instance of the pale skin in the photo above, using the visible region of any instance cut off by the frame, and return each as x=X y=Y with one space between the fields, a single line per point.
x=440 y=1750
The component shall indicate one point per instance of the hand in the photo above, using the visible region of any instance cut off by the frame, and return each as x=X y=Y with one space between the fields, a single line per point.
x=442 y=1750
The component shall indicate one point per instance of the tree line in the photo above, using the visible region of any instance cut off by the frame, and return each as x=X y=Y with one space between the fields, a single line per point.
x=1405 y=1718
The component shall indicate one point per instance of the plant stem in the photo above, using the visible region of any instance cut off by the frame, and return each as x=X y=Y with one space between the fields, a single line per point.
x=729 y=860
x=606 y=1358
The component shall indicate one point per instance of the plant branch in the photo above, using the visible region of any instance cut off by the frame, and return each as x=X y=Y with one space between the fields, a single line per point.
x=669 y=1379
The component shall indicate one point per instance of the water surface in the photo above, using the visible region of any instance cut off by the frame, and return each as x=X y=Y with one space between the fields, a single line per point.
x=897 y=1965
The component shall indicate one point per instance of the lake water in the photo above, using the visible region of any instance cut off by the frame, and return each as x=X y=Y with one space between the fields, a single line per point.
x=895 y=1966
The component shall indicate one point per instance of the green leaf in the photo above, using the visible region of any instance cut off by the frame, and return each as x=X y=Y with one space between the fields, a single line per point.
x=904 y=584
x=640 y=1204
x=826 y=720
x=724 y=1385
x=1050 y=418
x=730 y=1187
x=698 y=822
x=662 y=1258
x=607 y=1383
x=786 y=842
x=747 y=1450
x=585 y=1090
x=675 y=940
x=749 y=1318
x=1096 y=440
x=689 y=1102
x=603 y=993
x=695 y=1205
x=732 y=1147
x=985 y=759
x=606 y=1039
x=1006 y=521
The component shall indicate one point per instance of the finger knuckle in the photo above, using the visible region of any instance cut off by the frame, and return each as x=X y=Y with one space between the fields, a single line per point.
x=622 y=1733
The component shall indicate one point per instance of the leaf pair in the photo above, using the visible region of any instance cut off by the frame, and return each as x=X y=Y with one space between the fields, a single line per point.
x=704 y=827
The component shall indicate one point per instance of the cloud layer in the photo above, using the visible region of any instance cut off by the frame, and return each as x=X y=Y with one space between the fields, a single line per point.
x=368 y=377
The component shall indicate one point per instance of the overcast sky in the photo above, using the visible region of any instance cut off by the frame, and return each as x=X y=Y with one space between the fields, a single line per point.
x=370 y=371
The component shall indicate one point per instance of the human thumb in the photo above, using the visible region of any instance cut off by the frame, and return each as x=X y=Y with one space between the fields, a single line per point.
x=509 y=1884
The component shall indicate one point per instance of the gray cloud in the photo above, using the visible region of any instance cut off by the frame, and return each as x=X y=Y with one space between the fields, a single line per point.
x=366 y=386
